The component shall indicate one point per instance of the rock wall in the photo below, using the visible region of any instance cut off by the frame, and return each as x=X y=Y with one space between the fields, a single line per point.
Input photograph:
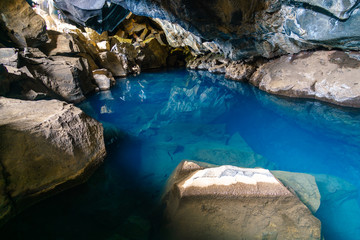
x=45 y=147
x=260 y=28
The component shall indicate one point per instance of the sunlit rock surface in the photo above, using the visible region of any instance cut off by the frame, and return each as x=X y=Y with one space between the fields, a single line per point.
x=226 y=202
x=331 y=76
x=20 y=25
x=45 y=147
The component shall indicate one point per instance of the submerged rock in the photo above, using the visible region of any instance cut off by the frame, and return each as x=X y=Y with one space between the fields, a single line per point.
x=227 y=202
x=330 y=76
x=303 y=185
x=340 y=206
x=45 y=147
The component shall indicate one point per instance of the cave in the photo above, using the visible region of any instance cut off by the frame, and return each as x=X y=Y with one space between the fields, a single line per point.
x=149 y=119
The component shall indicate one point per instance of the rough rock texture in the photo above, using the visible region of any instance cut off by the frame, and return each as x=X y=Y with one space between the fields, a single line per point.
x=267 y=28
x=20 y=25
x=20 y=83
x=68 y=77
x=303 y=185
x=115 y=63
x=9 y=57
x=154 y=54
x=227 y=202
x=214 y=63
x=331 y=76
x=45 y=147
x=177 y=36
x=239 y=71
x=60 y=44
x=103 y=79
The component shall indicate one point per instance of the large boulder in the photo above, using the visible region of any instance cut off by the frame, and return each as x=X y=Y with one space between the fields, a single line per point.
x=227 y=202
x=115 y=63
x=20 y=83
x=61 y=44
x=45 y=147
x=103 y=78
x=20 y=25
x=68 y=77
x=330 y=76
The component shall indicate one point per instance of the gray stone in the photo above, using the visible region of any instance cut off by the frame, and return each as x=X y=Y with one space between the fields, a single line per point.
x=60 y=44
x=227 y=202
x=103 y=79
x=68 y=77
x=239 y=71
x=9 y=57
x=115 y=63
x=20 y=83
x=330 y=76
x=46 y=147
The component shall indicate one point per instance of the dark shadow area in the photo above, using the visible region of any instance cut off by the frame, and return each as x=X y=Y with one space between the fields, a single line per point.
x=111 y=205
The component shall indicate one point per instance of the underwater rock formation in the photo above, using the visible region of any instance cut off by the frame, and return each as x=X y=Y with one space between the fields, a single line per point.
x=303 y=185
x=45 y=147
x=226 y=202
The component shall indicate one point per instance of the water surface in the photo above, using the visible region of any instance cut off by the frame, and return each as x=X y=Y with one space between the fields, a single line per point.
x=155 y=120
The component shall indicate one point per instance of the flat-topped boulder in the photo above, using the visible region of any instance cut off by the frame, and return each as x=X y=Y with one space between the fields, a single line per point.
x=330 y=76
x=227 y=202
x=45 y=147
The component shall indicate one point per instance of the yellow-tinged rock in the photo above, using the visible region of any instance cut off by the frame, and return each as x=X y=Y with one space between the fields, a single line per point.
x=120 y=33
x=94 y=36
x=122 y=40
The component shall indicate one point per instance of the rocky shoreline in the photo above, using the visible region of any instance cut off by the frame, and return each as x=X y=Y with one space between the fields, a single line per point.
x=329 y=76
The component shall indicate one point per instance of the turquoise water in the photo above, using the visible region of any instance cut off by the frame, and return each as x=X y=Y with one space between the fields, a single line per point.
x=155 y=120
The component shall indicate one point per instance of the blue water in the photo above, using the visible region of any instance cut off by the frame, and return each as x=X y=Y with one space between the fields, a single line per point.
x=155 y=120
